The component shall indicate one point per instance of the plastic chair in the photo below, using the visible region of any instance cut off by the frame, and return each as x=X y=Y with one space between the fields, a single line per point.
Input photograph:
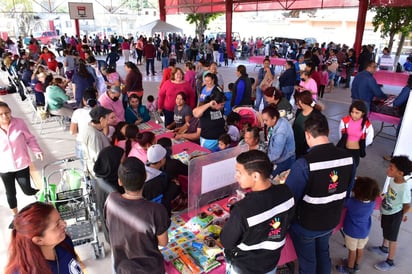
x=43 y=115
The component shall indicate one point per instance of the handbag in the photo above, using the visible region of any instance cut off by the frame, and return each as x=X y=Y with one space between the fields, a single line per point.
x=362 y=144
x=266 y=82
x=342 y=142
x=333 y=67
x=362 y=148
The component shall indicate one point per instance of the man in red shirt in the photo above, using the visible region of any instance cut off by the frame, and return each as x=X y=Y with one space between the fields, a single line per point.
x=149 y=51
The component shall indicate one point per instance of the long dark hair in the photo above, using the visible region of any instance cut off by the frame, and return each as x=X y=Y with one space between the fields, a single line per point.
x=82 y=70
x=131 y=134
x=216 y=95
x=90 y=97
x=306 y=98
x=145 y=138
x=25 y=257
x=360 y=105
x=133 y=67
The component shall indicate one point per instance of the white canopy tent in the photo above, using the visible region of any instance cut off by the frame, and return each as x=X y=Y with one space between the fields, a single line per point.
x=158 y=26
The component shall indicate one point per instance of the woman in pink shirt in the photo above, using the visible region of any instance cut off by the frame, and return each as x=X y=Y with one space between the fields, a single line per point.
x=139 y=149
x=358 y=128
x=169 y=91
x=112 y=76
x=15 y=160
x=307 y=83
x=190 y=74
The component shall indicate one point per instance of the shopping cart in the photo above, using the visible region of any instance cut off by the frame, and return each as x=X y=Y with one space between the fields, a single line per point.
x=76 y=204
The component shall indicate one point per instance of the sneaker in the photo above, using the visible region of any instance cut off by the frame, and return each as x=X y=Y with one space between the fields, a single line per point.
x=344 y=269
x=379 y=250
x=33 y=191
x=355 y=267
x=384 y=266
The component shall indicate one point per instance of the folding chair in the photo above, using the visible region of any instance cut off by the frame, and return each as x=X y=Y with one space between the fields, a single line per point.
x=42 y=113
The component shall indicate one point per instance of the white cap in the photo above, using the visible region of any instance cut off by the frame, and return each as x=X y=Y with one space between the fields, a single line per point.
x=155 y=153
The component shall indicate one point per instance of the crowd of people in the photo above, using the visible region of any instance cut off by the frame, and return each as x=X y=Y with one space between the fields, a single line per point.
x=292 y=135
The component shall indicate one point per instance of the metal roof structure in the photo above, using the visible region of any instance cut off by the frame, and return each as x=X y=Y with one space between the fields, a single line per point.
x=230 y=6
x=215 y=6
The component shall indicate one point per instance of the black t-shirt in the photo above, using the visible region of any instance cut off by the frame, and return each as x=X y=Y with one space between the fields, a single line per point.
x=173 y=168
x=180 y=115
x=212 y=124
x=259 y=220
x=133 y=228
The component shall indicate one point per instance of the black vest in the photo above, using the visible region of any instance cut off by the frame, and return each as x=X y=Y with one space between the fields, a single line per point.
x=246 y=99
x=330 y=174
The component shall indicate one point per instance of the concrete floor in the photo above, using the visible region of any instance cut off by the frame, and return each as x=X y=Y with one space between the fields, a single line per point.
x=58 y=144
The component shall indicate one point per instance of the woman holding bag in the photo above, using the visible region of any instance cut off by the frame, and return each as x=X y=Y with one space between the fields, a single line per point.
x=287 y=80
x=356 y=131
x=264 y=80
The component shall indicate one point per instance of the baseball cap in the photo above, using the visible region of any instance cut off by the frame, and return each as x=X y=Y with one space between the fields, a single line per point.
x=115 y=89
x=99 y=112
x=155 y=153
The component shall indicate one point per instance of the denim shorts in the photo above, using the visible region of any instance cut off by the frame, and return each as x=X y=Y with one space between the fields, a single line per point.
x=331 y=75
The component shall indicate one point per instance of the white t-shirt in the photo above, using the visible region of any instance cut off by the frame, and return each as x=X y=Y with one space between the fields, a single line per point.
x=395 y=197
x=82 y=118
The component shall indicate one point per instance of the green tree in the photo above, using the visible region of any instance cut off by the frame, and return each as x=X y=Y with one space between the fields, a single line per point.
x=392 y=21
x=201 y=21
x=22 y=11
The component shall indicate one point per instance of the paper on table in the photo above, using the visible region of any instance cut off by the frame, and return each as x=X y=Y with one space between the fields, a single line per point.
x=218 y=175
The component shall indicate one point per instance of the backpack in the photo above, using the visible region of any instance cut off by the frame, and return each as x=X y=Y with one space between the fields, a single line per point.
x=399 y=67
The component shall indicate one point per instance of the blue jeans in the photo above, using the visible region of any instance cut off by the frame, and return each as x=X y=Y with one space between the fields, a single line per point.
x=259 y=99
x=312 y=249
x=40 y=100
x=288 y=91
x=283 y=166
x=165 y=62
x=79 y=154
x=150 y=61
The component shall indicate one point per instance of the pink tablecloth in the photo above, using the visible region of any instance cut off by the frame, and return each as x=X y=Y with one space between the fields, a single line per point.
x=185 y=145
x=160 y=132
x=375 y=116
x=287 y=255
x=273 y=61
x=391 y=78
